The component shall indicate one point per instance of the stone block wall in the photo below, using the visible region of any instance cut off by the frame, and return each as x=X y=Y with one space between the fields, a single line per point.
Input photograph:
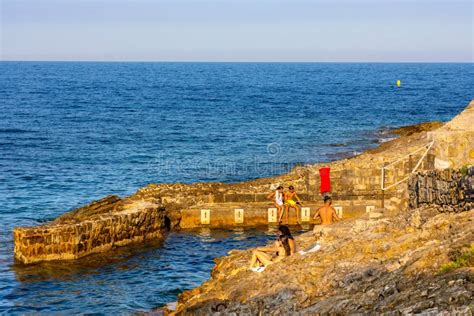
x=351 y=179
x=454 y=142
x=96 y=234
x=453 y=149
x=449 y=190
x=366 y=180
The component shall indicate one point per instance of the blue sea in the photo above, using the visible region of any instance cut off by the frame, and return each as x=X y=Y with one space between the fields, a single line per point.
x=73 y=132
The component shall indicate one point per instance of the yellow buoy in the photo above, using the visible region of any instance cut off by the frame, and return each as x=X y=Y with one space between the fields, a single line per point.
x=399 y=83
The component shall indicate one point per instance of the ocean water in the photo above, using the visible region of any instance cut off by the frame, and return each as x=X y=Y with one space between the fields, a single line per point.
x=74 y=132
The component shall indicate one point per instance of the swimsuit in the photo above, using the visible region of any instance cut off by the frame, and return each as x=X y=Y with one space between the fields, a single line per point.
x=278 y=198
x=321 y=230
x=290 y=202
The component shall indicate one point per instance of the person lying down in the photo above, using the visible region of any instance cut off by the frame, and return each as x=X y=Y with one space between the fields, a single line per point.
x=283 y=247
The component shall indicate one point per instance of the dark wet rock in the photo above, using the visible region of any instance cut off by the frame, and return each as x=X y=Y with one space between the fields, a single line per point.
x=417 y=128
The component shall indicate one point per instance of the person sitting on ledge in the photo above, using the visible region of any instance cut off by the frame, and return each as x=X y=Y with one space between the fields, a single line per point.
x=328 y=214
x=277 y=198
x=290 y=202
x=283 y=247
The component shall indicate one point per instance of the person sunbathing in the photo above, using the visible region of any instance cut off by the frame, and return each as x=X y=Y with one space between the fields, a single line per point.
x=283 y=247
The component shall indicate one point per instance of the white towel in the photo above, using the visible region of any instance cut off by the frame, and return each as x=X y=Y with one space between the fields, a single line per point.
x=314 y=248
x=257 y=269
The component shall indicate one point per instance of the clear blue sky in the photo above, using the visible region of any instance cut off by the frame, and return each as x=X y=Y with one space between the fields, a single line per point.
x=237 y=30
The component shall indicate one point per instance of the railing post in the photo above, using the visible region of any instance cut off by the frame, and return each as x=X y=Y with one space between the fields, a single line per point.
x=410 y=165
x=382 y=205
x=383 y=185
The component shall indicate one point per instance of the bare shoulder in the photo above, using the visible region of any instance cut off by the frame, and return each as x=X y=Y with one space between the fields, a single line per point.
x=292 y=244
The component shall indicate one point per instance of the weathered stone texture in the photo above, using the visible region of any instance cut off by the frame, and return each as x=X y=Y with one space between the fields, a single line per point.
x=95 y=234
x=389 y=265
x=111 y=203
x=450 y=190
x=454 y=142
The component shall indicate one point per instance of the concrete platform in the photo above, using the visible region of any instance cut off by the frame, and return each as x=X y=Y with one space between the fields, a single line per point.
x=228 y=215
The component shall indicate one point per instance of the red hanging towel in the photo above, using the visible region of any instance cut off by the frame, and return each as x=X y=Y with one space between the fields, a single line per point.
x=325 y=180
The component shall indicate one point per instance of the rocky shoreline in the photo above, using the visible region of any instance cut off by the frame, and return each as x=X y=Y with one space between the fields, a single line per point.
x=398 y=263
x=417 y=258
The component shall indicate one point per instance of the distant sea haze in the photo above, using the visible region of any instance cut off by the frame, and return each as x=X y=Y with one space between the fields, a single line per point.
x=72 y=132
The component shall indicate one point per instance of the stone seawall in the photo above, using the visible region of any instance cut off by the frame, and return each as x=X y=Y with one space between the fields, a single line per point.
x=355 y=182
x=449 y=190
x=98 y=233
x=103 y=224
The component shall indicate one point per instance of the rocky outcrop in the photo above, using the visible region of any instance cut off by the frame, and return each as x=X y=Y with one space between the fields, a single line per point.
x=417 y=128
x=449 y=190
x=395 y=265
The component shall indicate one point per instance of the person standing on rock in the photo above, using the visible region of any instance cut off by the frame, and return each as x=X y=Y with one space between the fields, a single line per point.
x=277 y=198
x=283 y=247
x=290 y=197
x=328 y=215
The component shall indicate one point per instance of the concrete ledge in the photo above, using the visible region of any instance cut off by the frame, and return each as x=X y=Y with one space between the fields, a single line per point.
x=222 y=215
x=97 y=234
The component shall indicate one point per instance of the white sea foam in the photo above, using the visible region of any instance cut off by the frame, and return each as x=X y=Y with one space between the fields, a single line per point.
x=386 y=139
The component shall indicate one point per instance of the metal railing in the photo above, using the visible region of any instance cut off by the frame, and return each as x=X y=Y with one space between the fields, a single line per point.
x=426 y=147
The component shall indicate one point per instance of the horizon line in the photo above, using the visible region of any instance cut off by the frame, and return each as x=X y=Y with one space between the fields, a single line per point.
x=243 y=61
